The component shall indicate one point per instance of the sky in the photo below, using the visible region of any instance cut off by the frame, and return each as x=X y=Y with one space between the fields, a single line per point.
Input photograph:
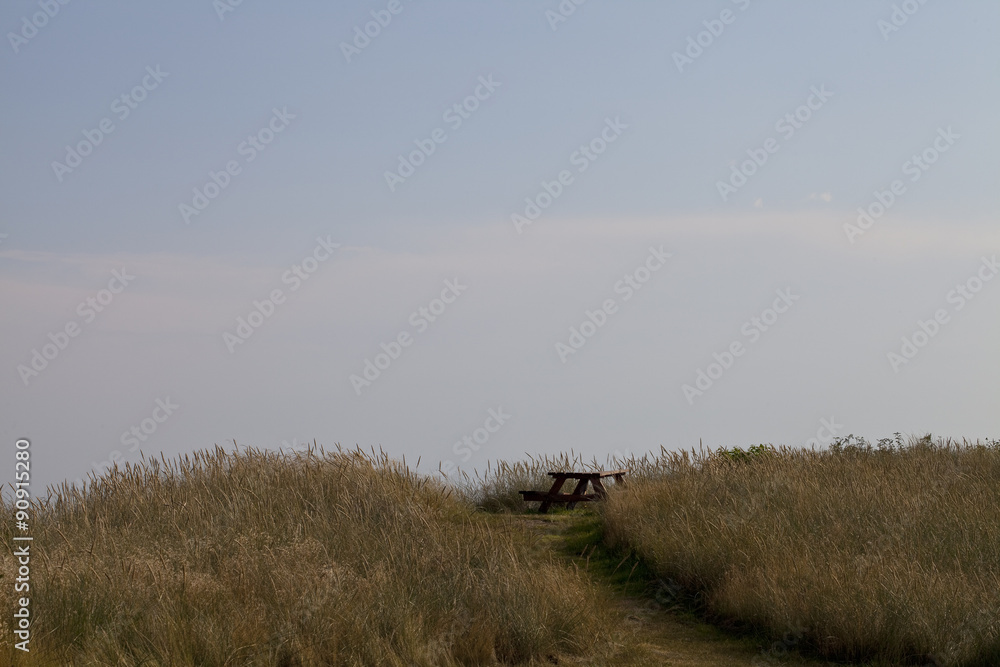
x=463 y=232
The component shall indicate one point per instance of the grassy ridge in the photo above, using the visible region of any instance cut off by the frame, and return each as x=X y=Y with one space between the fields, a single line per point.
x=256 y=559
x=496 y=489
x=888 y=552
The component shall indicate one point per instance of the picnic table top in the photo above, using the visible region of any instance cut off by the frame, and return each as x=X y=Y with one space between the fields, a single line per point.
x=587 y=475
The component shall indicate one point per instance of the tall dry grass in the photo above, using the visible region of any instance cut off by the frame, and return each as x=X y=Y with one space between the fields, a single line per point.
x=496 y=488
x=252 y=558
x=888 y=552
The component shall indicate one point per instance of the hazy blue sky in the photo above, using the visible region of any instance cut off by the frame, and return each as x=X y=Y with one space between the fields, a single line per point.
x=716 y=153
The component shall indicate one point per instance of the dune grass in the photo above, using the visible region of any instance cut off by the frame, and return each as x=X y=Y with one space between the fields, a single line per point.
x=253 y=558
x=888 y=553
x=884 y=555
x=496 y=488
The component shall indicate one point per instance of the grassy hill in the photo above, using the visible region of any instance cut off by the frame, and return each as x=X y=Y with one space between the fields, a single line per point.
x=256 y=559
x=887 y=554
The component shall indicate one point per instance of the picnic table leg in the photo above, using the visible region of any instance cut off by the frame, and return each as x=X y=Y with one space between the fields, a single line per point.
x=620 y=479
x=556 y=486
x=599 y=489
x=581 y=487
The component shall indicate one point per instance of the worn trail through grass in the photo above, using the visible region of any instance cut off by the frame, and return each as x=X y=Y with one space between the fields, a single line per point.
x=663 y=627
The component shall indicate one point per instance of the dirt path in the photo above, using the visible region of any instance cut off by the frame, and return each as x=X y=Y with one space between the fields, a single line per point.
x=667 y=633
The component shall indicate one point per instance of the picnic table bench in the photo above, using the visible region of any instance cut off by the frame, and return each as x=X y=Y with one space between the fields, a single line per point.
x=579 y=493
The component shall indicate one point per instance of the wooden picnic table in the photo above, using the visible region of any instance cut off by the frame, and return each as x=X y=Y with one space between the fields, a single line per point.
x=579 y=493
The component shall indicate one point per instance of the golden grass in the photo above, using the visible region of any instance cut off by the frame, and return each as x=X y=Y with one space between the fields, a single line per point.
x=253 y=558
x=889 y=553
x=496 y=488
